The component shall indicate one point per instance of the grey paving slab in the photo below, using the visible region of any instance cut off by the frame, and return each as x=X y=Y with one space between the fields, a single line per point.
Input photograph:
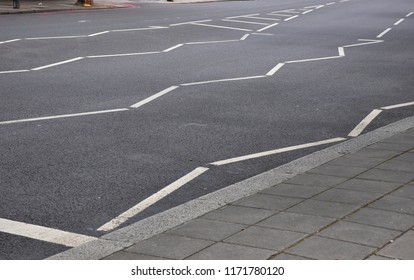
x=365 y=162
x=288 y=257
x=322 y=248
x=392 y=146
x=378 y=258
x=361 y=234
x=239 y=214
x=207 y=229
x=294 y=190
x=267 y=201
x=402 y=248
x=365 y=185
x=266 y=238
x=394 y=203
x=400 y=138
x=316 y=180
x=406 y=192
x=338 y=170
x=387 y=175
x=398 y=165
x=323 y=208
x=225 y=251
x=169 y=246
x=376 y=153
x=296 y=222
x=122 y=255
x=406 y=157
x=382 y=218
x=347 y=196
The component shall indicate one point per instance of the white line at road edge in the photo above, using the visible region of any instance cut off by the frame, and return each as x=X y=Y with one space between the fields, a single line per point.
x=43 y=233
x=364 y=123
x=57 y=63
x=99 y=33
x=398 y=106
x=13 y=71
x=153 y=97
x=120 y=54
x=224 y=80
x=277 y=151
x=114 y=223
x=64 y=116
x=173 y=48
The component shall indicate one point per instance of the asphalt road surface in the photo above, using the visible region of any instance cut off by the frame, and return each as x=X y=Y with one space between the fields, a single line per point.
x=102 y=110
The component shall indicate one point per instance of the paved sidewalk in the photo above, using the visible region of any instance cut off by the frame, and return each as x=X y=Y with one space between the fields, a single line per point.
x=357 y=205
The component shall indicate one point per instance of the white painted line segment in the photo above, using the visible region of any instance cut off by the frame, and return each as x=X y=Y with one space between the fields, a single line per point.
x=140 y=29
x=64 y=116
x=314 y=59
x=114 y=223
x=99 y=33
x=410 y=14
x=10 y=41
x=153 y=97
x=242 y=21
x=250 y=15
x=190 y=22
x=173 y=48
x=369 y=42
x=224 y=80
x=364 y=123
x=307 y=12
x=212 y=42
x=291 y=18
x=13 y=71
x=277 y=151
x=272 y=19
x=330 y=3
x=267 y=27
x=58 y=37
x=263 y=34
x=244 y=37
x=57 y=63
x=341 y=51
x=280 y=15
x=320 y=6
x=120 y=54
x=398 y=22
x=384 y=32
x=222 y=27
x=43 y=233
x=398 y=106
x=275 y=69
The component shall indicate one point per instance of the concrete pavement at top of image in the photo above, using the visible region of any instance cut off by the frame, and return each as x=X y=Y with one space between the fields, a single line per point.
x=351 y=201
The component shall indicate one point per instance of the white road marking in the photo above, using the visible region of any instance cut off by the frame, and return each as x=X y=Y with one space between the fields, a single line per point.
x=307 y=12
x=57 y=63
x=13 y=71
x=369 y=42
x=43 y=233
x=314 y=59
x=140 y=29
x=398 y=106
x=114 y=223
x=384 y=32
x=212 y=42
x=83 y=21
x=153 y=97
x=58 y=37
x=280 y=15
x=120 y=54
x=190 y=22
x=331 y=3
x=277 y=151
x=250 y=15
x=272 y=19
x=364 y=123
x=275 y=69
x=342 y=1
x=398 y=22
x=410 y=14
x=10 y=41
x=320 y=6
x=244 y=37
x=267 y=27
x=64 y=116
x=291 y=18
x=223 y=80
x=99 y=33
x=173 y=48
x=219 y=26
x=341 y=51
x=242 y=21
x=263 y=34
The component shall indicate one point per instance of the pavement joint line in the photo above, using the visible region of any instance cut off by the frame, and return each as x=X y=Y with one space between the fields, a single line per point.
x=57 y=63
x=164 y=221
x=267 y=27
x=141 y=206
x=384 y=32
x=364 y=123
x=63 y=116
x=42 y=233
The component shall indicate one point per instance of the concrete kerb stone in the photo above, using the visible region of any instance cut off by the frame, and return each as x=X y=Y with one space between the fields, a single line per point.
x=176 y=216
